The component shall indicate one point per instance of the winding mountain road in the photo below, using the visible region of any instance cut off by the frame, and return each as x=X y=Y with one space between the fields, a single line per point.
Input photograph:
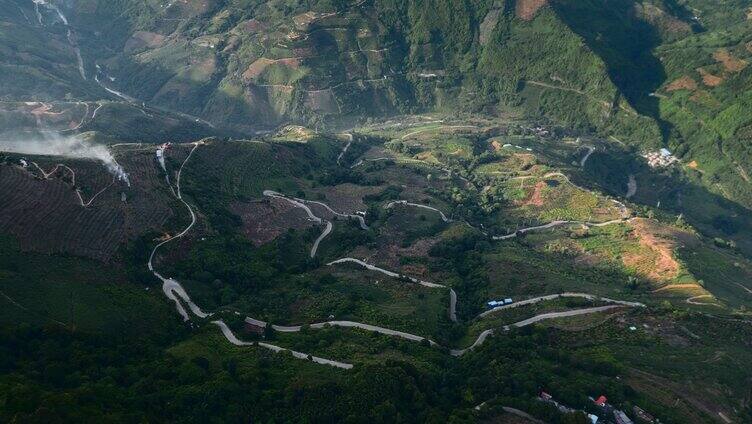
x=311 y=216
x=172 y=288
x=85 y=204
x=385 y=272
x=550 y=315
x=343 y=324
x=230 y=336
x=557 y=296
x=555 y=224
x=177 y=293
x=444 y=218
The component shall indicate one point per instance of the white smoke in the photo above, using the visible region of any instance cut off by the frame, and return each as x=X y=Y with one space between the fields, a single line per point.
x=53 y=144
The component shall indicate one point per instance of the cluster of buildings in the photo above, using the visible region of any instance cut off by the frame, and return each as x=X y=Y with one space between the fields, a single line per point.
x=660 y=158
x=620 y=417
x=545 y=397
x=609 y=414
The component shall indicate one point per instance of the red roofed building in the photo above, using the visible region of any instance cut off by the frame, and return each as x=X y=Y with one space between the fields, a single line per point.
x=601 y=401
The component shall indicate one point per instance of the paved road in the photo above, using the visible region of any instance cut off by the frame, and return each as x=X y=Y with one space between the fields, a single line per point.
x=177 y=293
x=452 y=305
x=230 y=336
x=417 y=205
x=559 y=224
x=385 y=272
x=693 y=300
x=556 y=296
x=324 y=234
x=172 y=288
x=563 y=314
x=551 y=315
x=479 y=341
x=343 y=324
x=299 y=204
x=302 y=203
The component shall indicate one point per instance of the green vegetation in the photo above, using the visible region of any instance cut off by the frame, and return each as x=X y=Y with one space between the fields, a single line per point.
x=515 y=95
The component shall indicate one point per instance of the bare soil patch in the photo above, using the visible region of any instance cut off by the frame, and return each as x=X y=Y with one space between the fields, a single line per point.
x=730 y=63
x=257 y=68
x=658 y=262
x=526 y=9
x=683 y=83
x=709 y=79
x=348 y=198
x=657 y=17
x=536 y=199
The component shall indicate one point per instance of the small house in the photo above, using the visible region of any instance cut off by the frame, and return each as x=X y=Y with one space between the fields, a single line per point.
x=601 y=401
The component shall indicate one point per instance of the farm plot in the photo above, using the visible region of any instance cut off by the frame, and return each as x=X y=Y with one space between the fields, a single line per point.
x=46 y=215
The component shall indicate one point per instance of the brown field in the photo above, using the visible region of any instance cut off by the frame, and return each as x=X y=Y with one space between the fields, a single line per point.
x=683 y=83
x=657 y=262
x=144 y=39
x=730 y=63
x=526 y=9
x=265 y=220
x=705 y=98
x=257 y=68
x=536 y=199
x=709 y=79
x=34 y=115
